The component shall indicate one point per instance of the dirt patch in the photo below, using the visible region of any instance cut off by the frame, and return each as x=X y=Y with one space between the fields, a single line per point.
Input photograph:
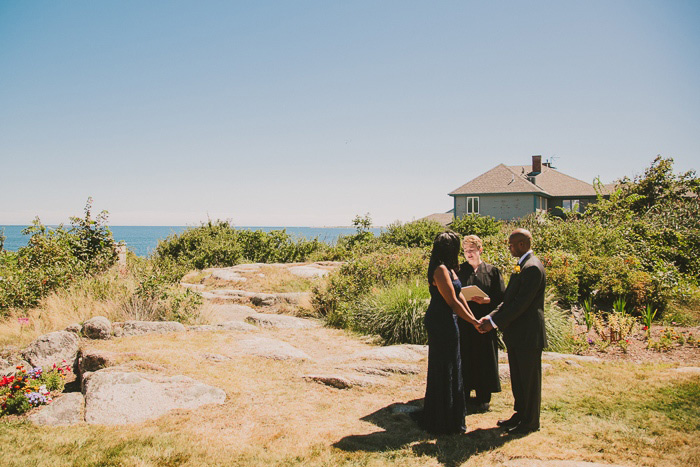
x=663 y=344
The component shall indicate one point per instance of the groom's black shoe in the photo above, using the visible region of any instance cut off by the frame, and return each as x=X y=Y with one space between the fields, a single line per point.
x=522 y=429
x=511 y=422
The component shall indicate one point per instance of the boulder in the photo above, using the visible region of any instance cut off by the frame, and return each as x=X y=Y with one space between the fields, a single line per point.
x=98 y=327
x=281 y=321
x=137 y=328
x=54 y=347
x=270 y=348
x=118 y=397
x=64 y=410
x=74 y=328
x=93 y=360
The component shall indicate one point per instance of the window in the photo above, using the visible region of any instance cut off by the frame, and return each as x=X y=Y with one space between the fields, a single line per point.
x=570 y=205
x=543 y=203
x=472 y=205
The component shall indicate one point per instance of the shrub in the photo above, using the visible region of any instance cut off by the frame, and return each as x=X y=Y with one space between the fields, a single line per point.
x=563 y=275
x=474 y=224
x=54 y=258
x=420 y=233
x=219 y=244
x=340 y=293
x=395 y=313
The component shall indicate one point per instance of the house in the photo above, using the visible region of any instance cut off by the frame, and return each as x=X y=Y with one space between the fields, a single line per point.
x=509 y=192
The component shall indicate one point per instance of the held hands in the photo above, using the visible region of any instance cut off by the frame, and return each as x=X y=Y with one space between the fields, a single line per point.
x=483 y=325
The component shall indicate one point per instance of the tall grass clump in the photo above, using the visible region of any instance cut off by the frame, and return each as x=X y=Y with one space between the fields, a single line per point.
x=395 y=313
x=558 y=324
x=338 y=297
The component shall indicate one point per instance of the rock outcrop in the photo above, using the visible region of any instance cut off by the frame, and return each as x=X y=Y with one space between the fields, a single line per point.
x=54 y=347
x=115 y=397
x=98 y=327
x=137 y=328
x=65 y=410
x=265 y=320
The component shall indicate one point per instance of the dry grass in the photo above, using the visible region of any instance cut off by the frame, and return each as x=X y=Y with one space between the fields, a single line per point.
x=621 y=413
x=110 y=295
x=618 y=413
x=265 y=279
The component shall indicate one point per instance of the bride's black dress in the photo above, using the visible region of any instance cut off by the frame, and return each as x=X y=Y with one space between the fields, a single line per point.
x=443 y=408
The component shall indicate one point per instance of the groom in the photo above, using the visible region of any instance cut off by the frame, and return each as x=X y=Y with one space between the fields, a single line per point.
x=521 y=319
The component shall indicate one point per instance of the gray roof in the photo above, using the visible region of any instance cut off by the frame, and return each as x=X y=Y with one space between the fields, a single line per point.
x=513 y=179
x=445 y=218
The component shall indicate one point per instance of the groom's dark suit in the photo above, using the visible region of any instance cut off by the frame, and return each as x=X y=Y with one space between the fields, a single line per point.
x=521 y=319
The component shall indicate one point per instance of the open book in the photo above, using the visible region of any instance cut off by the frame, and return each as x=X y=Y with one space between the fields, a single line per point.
x=471 y=291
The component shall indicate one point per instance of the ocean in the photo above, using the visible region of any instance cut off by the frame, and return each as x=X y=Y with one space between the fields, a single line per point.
x=142 y=239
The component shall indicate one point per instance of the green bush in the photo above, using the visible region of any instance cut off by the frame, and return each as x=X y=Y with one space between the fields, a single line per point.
x=474 y=224
x=563 y=275
x=55 y=257
x=420 y=233
x=343 y=289
x=219 y=244
x=395 y=313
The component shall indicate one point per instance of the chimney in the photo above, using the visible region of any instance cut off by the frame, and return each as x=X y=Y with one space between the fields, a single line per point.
x=536 y=164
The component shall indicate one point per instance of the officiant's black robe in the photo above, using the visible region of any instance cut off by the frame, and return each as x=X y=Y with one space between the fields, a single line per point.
x=479 y=352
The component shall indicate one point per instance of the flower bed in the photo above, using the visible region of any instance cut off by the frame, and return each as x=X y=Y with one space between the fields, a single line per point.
x=31 y=388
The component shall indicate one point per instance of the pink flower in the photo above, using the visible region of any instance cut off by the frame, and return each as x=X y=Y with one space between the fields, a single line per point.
x=23 y=320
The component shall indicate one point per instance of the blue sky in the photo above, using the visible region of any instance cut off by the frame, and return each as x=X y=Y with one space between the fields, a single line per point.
x=305 y=113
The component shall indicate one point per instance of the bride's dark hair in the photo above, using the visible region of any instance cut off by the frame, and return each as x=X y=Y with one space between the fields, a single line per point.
x=446 y=248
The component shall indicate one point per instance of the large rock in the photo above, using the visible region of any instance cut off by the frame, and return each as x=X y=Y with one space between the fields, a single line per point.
x=405 y=352
x=270 y=348
x=265 y=320
x=93 y=360
x=118 y=398
x=98 y=327
x=54 y=347
x=64 y=410
x=137 y=328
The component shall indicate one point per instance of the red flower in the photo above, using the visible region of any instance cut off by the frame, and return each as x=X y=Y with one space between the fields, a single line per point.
x=645 y=328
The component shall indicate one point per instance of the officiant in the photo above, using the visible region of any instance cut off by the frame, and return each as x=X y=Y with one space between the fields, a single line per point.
x=479 y=351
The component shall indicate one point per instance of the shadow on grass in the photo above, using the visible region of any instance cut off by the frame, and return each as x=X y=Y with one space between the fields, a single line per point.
x=400 y=431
